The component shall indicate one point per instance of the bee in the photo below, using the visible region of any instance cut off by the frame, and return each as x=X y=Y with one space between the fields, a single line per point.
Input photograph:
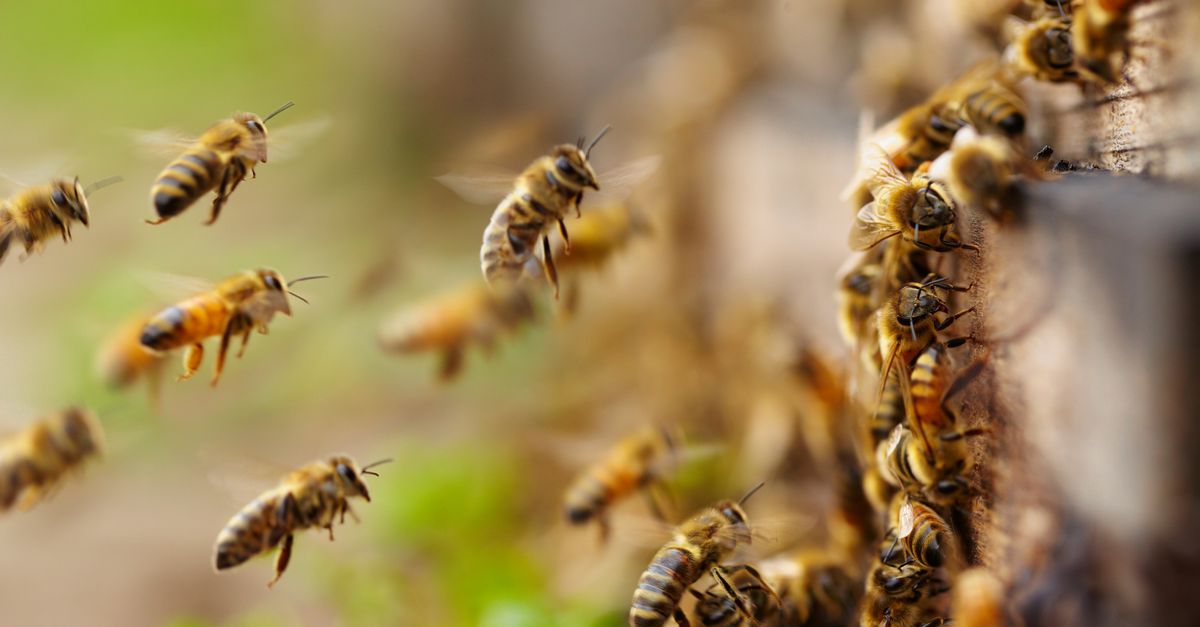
x=902 y=597
x=309 y=497
x=219 y=160
x=727 y=602
x=1042 y=49
x=813 y=588
x=238 y=305
x=37 y=213
x=543 y=193
x=1100 y=37
x=638 y=461
x=472 y=314
x=123 y=359
x=34 y=460
x=929 y=456
x=921 y=535
x=978 y=599
x=920 y=210
x=856 y=291
x=699 y=546
x=889 y=412
x=907 y=324
x=991 y=108
x=978 y=170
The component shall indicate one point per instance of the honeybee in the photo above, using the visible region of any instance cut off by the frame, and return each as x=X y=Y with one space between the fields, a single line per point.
x=815 y=588
x=238 y=305
x=921 y=536
x=929 y=456
x=919 y=210
x=311 y=496
x=638 y=461
x=889 y=412
x=544 y=192
x=37 y=213
x=978 y=170
x=978 y=599
x=906 y=596
x=700 y=545
x=450 y=322
x=34 y=460
x=907 y=324
x=219 y=160
x=727 y=602
x=992 y=108
x=856 y=291
x=123 y=359
x=1100 y=37
x=1042 y=49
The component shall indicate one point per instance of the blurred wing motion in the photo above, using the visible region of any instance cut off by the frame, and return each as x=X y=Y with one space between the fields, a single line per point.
x=242 y=479
x=291 y=141
x=486 y=185
x=163 y=142
x=173 y=287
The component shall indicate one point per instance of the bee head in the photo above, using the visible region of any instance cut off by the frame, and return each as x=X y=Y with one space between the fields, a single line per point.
x=276 y=291
x=917 y=302
x=571 y=165
x=258 y=134
x=82 y=432
x=350 y=478
x=1057 y=52
x=931 y=209
x=69 y=201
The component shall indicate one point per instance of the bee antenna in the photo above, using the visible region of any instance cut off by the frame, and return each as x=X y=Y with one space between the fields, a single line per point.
x=308 y=278
x=579 y=142
x=302 y=299
x=751 y=492
x=288 y=105
x=912 y=327
x=1061 y=13
x=366 y=470
x=101 y=184
x=604 y=131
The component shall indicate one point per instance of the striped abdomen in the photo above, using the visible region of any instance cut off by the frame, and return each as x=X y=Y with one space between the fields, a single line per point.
x=934 y=139
x=660 y=588
x=927 y=542
x=890 y=411
x=928 y=387
x=898 y=463
x=187 y=178
x=994 y=109
x=16 y=475
x=188 y=322
x=598 y=488
x=257 y=529
x=511 y=237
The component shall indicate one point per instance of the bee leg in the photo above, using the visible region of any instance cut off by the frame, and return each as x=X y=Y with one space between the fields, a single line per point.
x=562 y=228
x=245 y=341
x=578 y=200
x=941 y=326
x=602 y=525
x=548 y=265
x=681 y=618
x=452 y=361
x=191 y=361
x=221 y=352
x=219 y=201
x=329 y=528
x=281 y=560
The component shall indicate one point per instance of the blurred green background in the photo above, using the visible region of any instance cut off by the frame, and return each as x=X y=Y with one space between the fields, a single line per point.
x=744 y=101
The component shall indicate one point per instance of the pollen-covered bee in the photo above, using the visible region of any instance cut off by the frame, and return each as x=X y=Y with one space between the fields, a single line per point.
x=34 y=460
x=542 y=194
x=1100 y=37
x=240 y=304
x=123 y=359
x=1042 y=49
x=919 y=210
x=219 y=159
x=699 y=546
x=450 y=322
x=311 y=497
x=38 y=213
x=639 y=461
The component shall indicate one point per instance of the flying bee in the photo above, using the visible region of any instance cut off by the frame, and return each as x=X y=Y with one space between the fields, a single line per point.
x=639 y=461
x=240 y=304
x=123 y=359
x=451 y=322
x=920 y=210
x=1100 y=37
x=1042 y=49
x=218 y=160
x=310 y=497
x=36 y=459
x=699 y=546
x=38 y=213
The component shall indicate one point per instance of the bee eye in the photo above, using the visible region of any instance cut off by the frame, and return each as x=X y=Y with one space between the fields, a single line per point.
x=273 y=283
x=58 y=197
x=893 y=584
x=254 y=125
x=346 y=473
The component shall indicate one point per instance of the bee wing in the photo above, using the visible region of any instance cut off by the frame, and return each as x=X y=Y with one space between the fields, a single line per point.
x=640 y=531
x=881 y=174
x=480 y=184
x=243 y=479
x=774 y=532
x=173 y=287
x=870 y=227
x=163 y=142
x=292 y=140
x=618 y=182
x=1012 y=28
x=904 y=522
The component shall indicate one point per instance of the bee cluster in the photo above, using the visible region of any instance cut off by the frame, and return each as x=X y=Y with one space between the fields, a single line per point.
x=907 y=466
